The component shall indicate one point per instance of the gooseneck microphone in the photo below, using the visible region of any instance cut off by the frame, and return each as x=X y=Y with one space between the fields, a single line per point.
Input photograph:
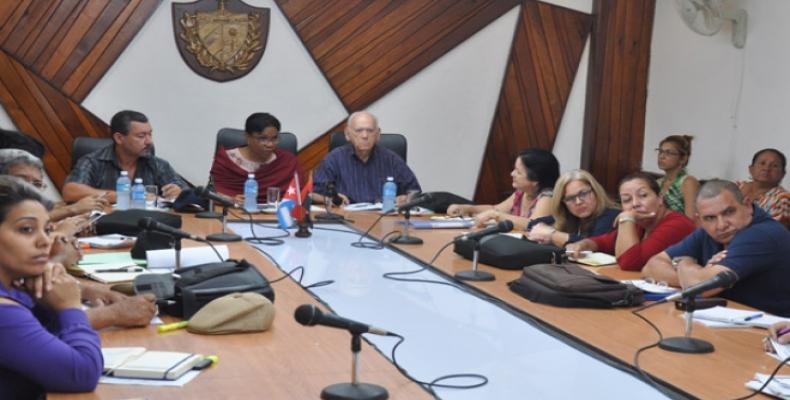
x=214 y=196
x=310 y=315
x=148 y=223
x=724 y=280
x=417 y=201
x=501 y=227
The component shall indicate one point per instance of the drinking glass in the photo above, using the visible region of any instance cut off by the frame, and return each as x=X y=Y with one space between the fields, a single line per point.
x=151 y=195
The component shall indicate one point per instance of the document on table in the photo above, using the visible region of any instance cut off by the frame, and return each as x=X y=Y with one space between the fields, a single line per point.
x=595 y=259
x=726 y=317
x=779 y=386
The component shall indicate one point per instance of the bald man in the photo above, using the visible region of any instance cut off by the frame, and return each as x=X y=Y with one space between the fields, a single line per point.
x=360 y=168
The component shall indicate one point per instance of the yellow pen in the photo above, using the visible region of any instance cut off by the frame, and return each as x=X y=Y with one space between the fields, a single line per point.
x=172 y=327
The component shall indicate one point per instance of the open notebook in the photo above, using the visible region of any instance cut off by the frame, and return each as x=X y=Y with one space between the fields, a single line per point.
x=137 y=362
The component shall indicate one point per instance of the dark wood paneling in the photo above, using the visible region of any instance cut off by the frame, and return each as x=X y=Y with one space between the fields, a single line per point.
x=367 y=48
x=312 y=154
x=544 y=57
x=614 y=121
x=52 y=53
x=41 y=111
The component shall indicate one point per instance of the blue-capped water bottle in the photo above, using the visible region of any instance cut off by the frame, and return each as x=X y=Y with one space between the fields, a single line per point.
x=123 y=188
x=251 y=194
x=388 y=196
x=138 y=194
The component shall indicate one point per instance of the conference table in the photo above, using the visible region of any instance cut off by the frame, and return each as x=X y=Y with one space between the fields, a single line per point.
x=291 y=361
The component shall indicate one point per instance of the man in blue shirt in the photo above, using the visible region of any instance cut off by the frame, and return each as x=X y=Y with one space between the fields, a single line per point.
x=735 y=236
x=360 y=168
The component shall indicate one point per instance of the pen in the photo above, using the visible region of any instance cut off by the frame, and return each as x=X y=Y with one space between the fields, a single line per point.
x=122 y=269
x=783 y=331
x=753 y=316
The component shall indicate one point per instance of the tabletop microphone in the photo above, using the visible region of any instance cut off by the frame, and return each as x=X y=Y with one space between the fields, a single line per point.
x=417 y=201
x=208 y=194
x=500 y=227
x=725 y=280
x=151 y=225
x=310 y=315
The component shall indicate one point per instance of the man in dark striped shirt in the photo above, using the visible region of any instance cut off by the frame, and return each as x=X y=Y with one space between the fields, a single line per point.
x=360 y=168
x=97 y=172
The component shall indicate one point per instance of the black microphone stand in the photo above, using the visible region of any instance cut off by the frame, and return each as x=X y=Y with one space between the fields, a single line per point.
x=686 y=343
x=328 y=215
x=224 y=236
x=210 y=213
x=404 y=238
x=474 y=274
x=354 y=390
x=177 y=247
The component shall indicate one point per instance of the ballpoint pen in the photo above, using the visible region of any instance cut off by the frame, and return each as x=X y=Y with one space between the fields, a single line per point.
x=122 y=269
x=783 y=331
x=753 y=316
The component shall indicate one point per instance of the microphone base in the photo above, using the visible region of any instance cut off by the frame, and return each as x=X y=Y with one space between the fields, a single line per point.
x=208 y=215
x=329 y=217
x=224 y=237
x=406 y=240
x=684 y=344
x=474 y=275
x=350 y=391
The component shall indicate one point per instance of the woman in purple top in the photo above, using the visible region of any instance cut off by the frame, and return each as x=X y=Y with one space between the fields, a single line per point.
x=46 y=343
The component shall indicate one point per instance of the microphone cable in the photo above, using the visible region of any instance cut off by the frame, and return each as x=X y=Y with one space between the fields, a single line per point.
x=642 y=349
x=290 y=273
x=396 y=276
x=767 y=381
x=435 y=383
x=266 y=240
x=374 y=245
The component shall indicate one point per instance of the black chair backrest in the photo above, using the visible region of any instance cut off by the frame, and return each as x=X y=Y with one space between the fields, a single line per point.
x=83 y=145
x=393 y=141
x=230 y=137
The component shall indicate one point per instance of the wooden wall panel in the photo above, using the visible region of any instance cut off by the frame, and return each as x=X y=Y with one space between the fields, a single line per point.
x=39 y=110
x=367 y=48
x=544 y=57
x=52 y=53
x=614 y=120
x=312 y=154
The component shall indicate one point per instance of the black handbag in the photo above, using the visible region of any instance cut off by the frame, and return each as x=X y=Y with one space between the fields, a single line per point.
x=569 y=285
x=507 y=252
x=196 y=286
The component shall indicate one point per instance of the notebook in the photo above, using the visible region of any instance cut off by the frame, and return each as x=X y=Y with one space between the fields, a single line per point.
x=137 y=362
x=720 y=317
x=595 y=259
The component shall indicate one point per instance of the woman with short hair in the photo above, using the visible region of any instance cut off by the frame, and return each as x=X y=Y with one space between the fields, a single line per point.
x=534 y=173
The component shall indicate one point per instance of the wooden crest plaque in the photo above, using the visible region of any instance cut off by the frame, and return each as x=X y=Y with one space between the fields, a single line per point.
x=220 y=40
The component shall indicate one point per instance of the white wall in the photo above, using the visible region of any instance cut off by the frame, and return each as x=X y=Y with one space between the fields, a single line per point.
x=733 y=101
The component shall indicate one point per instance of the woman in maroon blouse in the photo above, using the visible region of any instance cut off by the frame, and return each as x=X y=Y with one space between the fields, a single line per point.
x=273 y=167
x=645 y=227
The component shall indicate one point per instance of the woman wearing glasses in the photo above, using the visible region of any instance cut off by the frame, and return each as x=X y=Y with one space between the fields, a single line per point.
x=645 y=227
x=677 y=187
x=580 y=208
x=272 y=167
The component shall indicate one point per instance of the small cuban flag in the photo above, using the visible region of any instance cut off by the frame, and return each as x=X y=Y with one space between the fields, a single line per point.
x=290 y=199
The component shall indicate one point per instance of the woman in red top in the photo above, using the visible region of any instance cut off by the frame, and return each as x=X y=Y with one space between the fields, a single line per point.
x=645 y=227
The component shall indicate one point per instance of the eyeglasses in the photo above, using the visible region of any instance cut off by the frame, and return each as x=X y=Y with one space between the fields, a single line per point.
x=669 y=153
x=37 y=183
x=583 y=195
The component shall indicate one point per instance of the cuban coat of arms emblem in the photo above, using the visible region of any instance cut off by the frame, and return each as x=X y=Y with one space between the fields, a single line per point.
x=220 y=40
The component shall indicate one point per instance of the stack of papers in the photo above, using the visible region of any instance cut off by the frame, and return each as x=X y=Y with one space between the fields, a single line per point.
x=112 y=272
x=107 y=241
x=779 y=386
x=726 y=317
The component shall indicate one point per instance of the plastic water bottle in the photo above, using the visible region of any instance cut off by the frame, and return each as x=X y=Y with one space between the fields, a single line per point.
x=123 y=188
x=138 y=194
x=251 y=194
x=388 y=197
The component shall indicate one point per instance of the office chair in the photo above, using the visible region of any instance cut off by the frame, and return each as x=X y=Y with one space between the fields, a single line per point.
x=83 y=145
x=392 y=141
x=230 y=137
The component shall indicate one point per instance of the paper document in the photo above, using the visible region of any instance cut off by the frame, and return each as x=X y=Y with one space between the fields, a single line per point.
x=779 y=386
x=363 y=207
x=732 y=317
x=595 y=259
x=106 y=258
x=116 y=272
x=166 y=258
x=107 y=241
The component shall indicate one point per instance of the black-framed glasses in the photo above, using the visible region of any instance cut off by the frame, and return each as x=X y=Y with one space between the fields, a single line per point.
x=669 y=153
x=583 y=195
